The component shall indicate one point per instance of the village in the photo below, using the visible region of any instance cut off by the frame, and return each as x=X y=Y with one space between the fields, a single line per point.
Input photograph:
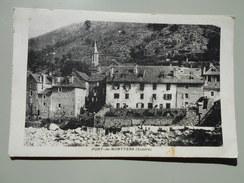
x=125 y=97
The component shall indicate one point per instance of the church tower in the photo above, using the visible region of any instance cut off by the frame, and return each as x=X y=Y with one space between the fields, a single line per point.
x=95 y=56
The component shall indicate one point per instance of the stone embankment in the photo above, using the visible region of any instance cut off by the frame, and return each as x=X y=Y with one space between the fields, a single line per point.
x=129 y=136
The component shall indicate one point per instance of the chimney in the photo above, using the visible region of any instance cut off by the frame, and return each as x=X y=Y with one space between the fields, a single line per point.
x=71 y=79
x=43 y=80
x=53 y=81
x=144 y=73
x=210 y=64
x=204 y=70
x=136 y=69
x=58 y=79
x=112 y=72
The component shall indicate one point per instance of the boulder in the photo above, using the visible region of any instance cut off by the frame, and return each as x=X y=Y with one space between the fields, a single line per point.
x=53 y=126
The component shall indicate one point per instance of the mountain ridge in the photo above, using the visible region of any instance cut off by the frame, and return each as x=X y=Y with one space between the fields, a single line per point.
x=144 y=44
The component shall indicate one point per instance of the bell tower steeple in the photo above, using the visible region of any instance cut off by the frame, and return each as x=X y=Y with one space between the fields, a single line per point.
x=95 y=56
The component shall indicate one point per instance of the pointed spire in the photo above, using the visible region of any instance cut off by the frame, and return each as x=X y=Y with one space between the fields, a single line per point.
x=95 y=47
x=95 y=56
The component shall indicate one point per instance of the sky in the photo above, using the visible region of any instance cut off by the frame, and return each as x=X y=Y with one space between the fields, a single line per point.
x=43 y=22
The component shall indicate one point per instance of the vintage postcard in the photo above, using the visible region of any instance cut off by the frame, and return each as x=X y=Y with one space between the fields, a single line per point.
x=103 y=84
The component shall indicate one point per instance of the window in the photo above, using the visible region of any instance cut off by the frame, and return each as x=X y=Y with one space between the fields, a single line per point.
x=31 y=93
x=209 y=78
x=182 y=95
x=124 y=105
x=150 y=105
x=161 y=75
x=161 y=106
x=218 y=78
x=167 y=105
x=154 y=96
x=59 y=89
x=154 y=86
x=115 y=86
x=212 y=93
x=142 y=85
x=116 y=95
x=186 y=86
x=167 y=87
x=44 y=96
x=186 y=95
x=140 y=105
x=141 y=96
x=167 y=96
x=44 y=104
x=59 y=106
x=127 y=87
x=140 y=75
x=127 y=96
x=118 y=105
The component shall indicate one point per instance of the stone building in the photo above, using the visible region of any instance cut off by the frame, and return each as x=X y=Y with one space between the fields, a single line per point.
x=153 y=87
x=37 y=95
x=68 y=97
x=212 y=82
x=189 y=86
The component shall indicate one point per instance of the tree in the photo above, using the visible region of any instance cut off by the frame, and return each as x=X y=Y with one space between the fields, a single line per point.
x=69 y=66
x=87 y=24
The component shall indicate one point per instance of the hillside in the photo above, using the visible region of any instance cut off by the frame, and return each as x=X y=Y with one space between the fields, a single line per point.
x=145 y=44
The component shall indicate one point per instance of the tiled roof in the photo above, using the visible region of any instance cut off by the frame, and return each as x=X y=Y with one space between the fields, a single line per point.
x=212 y=70
x=77 y=82
x=37 y=76
x=156 y=74
x=83 y=75
x=97 y=77
x=45 y=91
x=93 y=78
x=212 y=86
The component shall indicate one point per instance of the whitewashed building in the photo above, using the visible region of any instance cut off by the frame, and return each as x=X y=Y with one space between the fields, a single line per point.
x=153 y=87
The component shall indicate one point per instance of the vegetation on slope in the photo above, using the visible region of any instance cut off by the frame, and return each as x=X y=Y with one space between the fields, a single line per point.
x=71 y=47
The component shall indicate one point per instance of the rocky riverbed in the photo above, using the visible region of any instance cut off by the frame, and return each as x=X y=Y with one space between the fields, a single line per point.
x=97 y=137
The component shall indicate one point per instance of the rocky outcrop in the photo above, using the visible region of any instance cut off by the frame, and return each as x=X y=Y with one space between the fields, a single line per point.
x=137 y=136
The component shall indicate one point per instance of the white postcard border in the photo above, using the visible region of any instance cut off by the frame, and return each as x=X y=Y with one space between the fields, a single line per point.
x=18 y=103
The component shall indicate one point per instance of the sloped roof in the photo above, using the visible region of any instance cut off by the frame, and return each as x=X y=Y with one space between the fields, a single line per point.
x=97 y=77
x=212 y=86
x=93 y=78
x=77 y=82
x=45 y=91
x=212 y=70
x=156 y=74
x=37 y=76
x=83 y=75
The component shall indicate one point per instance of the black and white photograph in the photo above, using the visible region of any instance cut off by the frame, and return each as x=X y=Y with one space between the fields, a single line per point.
x=122 y=85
